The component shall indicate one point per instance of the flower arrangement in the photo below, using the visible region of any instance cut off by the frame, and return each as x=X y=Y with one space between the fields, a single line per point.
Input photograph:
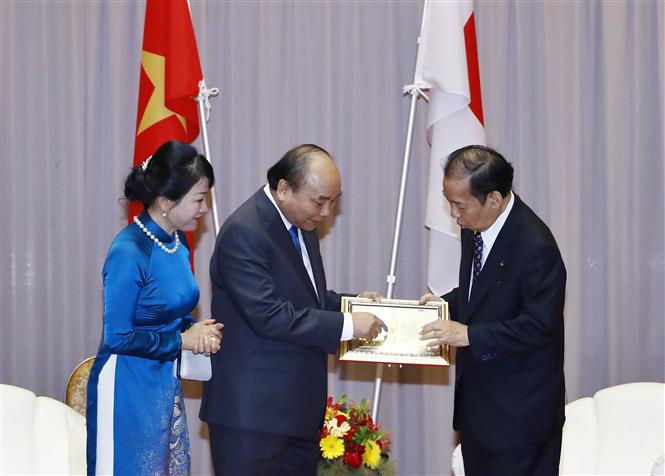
x=351 y=443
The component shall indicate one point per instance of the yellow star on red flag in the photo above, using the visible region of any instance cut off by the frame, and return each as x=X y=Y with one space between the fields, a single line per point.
x=154 y=66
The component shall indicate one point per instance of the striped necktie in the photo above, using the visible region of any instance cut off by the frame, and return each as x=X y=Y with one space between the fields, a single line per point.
x=477 y=255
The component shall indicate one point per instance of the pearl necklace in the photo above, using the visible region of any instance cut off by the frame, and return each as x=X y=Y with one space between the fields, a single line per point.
x=156 y=240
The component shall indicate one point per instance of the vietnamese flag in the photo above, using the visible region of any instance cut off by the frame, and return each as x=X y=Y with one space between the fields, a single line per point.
x=169 y=82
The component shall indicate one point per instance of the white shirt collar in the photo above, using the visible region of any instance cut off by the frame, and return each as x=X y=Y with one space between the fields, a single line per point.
x=303 y=252
x=287 y=223
x=489 y=236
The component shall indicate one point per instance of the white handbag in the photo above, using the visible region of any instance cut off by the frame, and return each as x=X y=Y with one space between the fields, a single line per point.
x=191 y=366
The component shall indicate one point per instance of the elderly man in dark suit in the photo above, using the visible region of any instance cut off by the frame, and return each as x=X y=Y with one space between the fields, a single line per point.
x=507 y=323
x=265 y=403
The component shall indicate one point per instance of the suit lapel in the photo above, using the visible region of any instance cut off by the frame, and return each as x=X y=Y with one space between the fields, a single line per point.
x=280 y=236
x=497 y=261
x=311 y=240
x=465 y=271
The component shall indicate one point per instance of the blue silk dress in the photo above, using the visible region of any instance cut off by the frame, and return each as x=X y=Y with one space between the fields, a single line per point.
x=135 y=410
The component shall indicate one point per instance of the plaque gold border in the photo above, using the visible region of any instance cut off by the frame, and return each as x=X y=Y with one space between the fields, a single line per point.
x=357 y=350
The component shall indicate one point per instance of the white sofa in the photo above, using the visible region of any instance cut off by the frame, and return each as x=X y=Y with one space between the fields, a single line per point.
x=39 y=435
x=618 y=431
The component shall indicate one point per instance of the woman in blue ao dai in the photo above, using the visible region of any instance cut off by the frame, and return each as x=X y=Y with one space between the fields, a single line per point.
x=135 y=413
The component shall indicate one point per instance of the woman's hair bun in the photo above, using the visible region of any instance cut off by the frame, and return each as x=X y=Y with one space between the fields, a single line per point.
x=170 y=172
x=136 y=187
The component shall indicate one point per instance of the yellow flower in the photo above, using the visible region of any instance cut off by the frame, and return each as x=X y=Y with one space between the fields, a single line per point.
x=372 y=454
x=332 y=447
x=331 y=412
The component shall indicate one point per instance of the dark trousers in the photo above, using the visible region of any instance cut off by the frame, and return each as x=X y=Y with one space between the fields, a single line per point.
x=238 y=452
x=537 y=459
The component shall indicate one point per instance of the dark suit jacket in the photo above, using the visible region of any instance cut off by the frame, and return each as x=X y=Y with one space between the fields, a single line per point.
x=271 y=372
x=509 y=387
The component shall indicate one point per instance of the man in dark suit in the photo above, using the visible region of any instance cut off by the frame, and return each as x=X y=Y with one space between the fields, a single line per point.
x=266 y=401
x=507 y=323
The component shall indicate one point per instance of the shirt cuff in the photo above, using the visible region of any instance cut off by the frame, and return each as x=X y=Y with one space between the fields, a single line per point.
x=347 y=330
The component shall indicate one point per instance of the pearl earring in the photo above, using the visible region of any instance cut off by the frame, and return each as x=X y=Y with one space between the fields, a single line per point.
x=163 y=213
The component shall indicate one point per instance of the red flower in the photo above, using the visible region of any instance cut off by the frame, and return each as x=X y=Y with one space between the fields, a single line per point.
x=353 y=459
x=353 y=447
x=351 y=433
x=341 y=418
x=384 y=443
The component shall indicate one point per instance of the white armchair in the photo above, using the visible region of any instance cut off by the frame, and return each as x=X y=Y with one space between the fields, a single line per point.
x=39 y=435
x=618 y=431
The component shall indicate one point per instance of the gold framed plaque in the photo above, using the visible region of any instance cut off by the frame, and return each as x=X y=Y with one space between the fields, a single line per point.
x=401 y=344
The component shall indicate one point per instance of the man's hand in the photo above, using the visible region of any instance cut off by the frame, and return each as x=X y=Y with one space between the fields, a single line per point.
x=445 y=332
x=373 y=295
x=425 y=298
x=366 y=325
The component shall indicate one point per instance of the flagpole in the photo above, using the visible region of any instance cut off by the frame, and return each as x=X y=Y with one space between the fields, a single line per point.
x=203 y=100
x=415 y=91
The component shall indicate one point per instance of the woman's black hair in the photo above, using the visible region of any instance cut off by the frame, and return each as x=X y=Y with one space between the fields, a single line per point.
x=170 y=172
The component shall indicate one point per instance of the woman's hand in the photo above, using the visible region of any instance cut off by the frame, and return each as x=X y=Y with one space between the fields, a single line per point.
x=203 y=337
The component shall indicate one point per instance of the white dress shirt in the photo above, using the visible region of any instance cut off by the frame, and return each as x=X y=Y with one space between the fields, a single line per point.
x=489 y=237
